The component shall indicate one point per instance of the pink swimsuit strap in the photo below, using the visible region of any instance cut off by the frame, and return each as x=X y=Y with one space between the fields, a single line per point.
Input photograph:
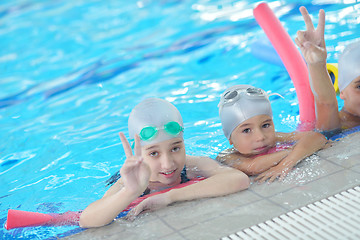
x=277 y=148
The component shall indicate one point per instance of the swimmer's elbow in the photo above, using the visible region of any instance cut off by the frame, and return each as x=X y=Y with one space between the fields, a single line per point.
x=326 y=106
x=326 y=101
x=245 y=182
x=321 y=139
x=241 y=181
x=317 y=138
x=254 y=169
x=89 y=222
x=85 y=223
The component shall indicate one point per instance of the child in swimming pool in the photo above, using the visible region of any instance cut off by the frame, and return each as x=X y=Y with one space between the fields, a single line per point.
x=246 y=118
x=312 y=46
x=159 y=159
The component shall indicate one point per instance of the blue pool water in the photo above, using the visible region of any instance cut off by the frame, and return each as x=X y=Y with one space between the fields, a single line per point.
x=71 y=71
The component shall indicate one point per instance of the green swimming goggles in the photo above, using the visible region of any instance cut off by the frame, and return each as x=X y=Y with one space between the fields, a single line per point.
x=172 y=128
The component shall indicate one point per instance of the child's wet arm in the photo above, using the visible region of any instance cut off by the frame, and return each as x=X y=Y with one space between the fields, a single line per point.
x=226 y=182
x=220 y=180
x=253 y=166
x=321 y=83
x=234 y=161
x=309 y=143
x=325 y=97
x=105 y=210
x=263 y=163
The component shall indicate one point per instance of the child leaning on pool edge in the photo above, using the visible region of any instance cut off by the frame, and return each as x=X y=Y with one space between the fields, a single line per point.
x=158 y=162
x=312 y=46
x=246 y=118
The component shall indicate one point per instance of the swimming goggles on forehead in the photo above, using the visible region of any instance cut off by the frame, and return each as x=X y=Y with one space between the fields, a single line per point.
x=149 y=132
x=234 y=95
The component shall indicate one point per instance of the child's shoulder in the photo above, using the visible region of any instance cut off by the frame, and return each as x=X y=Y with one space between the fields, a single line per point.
x=283 y=137
x=228 y=154
x=231 y=150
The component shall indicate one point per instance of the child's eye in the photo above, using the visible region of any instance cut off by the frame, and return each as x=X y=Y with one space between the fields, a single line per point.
x=266 y=125
x=175 y=149
x=246 y=130
x=154 y=154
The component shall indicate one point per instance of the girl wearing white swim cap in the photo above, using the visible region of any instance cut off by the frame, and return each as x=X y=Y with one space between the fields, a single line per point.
x=312 y=46
x=246 y=118
x=158 y=161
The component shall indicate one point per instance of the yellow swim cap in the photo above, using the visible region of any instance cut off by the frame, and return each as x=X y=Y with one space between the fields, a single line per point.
x=334 y=75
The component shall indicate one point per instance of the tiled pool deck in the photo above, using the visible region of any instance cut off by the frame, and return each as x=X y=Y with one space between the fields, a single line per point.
x=331 y=171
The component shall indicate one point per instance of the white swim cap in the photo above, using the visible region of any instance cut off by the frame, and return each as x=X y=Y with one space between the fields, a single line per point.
x=160 y=118
x=239 y=103
x=349 y=65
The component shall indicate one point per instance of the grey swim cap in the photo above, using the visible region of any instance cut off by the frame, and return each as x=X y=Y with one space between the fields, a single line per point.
x=154 y=112
x=349 y=65
x=239 y=103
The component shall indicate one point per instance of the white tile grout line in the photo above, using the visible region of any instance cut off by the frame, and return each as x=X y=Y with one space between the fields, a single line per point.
x=335 y=217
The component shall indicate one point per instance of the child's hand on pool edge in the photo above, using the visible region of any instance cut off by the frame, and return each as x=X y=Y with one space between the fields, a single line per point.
x=311 y=42
x=150 y=204
x=135 y=173
x=279 y=171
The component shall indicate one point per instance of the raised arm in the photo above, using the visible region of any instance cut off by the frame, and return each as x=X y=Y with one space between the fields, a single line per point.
x=306 y=144
x=135 y=176
x=312 y=45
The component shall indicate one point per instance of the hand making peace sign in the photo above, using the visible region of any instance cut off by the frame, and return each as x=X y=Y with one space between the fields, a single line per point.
x=311 y=42
x=135 y=173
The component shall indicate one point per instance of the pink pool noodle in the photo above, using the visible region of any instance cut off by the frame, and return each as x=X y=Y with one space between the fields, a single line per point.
x=19 y=219
x=293 y=62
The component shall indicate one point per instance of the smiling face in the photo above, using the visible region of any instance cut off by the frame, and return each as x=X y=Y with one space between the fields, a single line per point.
x=351 y=97
x=254 y=136
x=166 y=160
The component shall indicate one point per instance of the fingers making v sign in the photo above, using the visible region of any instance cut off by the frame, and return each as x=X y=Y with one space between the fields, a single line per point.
x=135 y=173
x=311 y=41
